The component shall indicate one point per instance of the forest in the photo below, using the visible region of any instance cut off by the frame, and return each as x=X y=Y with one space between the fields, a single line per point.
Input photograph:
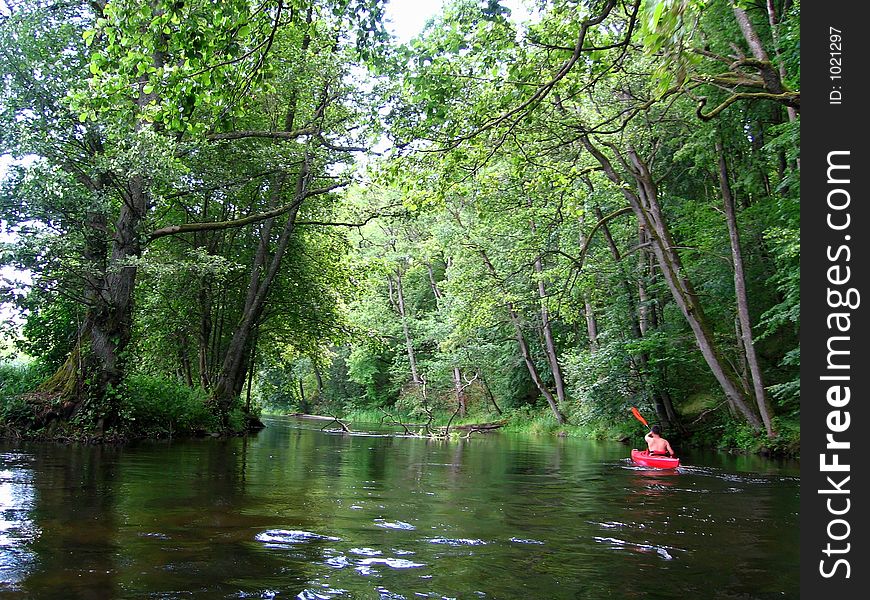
x=537 y=221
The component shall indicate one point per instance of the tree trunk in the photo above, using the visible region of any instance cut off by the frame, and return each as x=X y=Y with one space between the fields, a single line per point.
x=488 y=391
x=205 y=332
x=251 y=366
x=406 y=330
x=773 y=83
x=231 y=378
x=524 y=350
x=434 y=285
x=645 y=205
x=186 y=370
x=636 y=320
x=648 y=321
x=591 y=324
x=740 y=293
x=318 y=377
x=773 y=21
x=547 y=330
x=460 y=392
x=530 y=365
x=96 y=364
x=457 y=374
x=643 y=299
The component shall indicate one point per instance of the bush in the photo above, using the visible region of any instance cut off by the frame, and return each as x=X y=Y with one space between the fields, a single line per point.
x=152 y=406
x=15 y=380
x=18 y=378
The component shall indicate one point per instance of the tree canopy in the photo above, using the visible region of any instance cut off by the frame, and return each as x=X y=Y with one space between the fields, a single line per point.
x=588 y=209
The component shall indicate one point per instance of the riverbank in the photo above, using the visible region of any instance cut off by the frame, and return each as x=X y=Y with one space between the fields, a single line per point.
x=154 y=408
x=148 y=408
x=708 y=429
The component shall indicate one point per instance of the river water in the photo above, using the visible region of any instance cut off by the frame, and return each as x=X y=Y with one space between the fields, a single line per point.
x=296 y=512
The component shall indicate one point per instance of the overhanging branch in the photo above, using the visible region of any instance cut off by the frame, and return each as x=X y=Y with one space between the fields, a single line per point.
x=273 y=135
x=544 y=89
x=578 y=262
x=791 y=99
x=218 y=225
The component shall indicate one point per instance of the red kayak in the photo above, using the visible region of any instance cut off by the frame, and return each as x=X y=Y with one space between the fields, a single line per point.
x=658 y=461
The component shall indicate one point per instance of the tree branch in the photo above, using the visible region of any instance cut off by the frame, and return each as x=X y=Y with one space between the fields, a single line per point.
x=349 y=224
x=218 y=225
x=788 y=98
x=221 y=186
x=274 y=135
x=546 y=88
x=578 y=262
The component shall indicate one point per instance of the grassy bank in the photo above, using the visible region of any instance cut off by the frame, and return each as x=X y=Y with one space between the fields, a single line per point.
x=149 y=408
x=716 y=430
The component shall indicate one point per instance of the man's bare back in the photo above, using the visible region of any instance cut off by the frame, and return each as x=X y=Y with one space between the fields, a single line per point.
x=656 y=443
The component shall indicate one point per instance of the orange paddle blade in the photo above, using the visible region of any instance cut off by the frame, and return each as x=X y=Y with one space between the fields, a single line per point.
x=637 y=415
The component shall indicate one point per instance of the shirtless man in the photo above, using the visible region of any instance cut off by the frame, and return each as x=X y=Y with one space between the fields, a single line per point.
x=656 y=443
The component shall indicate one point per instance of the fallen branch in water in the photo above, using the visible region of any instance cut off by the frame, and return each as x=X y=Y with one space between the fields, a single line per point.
x=396 y=421
x=342 y=424
x=481 y=426
x=436 y=432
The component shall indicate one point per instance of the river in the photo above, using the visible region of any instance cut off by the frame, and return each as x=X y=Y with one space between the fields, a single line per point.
x=296 y=512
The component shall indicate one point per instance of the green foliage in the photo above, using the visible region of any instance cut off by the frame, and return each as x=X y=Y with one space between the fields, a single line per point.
x=193 y=63
x=278 y=390
x=156 y=407
x=506 y=227
x=49 y=331
x=667 y=27
x=740 y=436
x=15 y=381
x=370 y=369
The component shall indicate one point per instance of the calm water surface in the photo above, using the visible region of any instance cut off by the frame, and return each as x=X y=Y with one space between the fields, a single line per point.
x=294 y=512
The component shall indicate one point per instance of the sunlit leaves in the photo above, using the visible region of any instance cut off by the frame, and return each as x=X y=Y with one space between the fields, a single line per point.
x=667 y=29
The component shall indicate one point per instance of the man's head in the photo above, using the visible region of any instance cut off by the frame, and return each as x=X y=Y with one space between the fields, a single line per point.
x=656 y=430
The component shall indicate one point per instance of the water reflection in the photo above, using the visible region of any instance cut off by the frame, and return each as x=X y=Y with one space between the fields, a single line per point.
x=17 y=529
x=299 y=513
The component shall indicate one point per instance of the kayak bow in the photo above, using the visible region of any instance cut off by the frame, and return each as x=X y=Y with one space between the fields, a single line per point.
x=642 y=457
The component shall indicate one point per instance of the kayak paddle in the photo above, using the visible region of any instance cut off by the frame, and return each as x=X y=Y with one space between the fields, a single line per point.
x=637 y=416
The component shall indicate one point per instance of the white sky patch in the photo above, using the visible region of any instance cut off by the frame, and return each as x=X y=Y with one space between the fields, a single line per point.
x=406 y=18
x=8 y=275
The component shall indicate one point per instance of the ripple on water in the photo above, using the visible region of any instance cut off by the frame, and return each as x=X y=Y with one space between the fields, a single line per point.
x=364 y=566
x=456 y=541
x=748 y=478
x=517 y=540
x=261 y=594
x=394 y=524
x=338 y=562
x=385 y=594
x=282 y=537
x=393 y=563
x=17 y=529
x=615 y=524
x=635 y=547
x=315 y=595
